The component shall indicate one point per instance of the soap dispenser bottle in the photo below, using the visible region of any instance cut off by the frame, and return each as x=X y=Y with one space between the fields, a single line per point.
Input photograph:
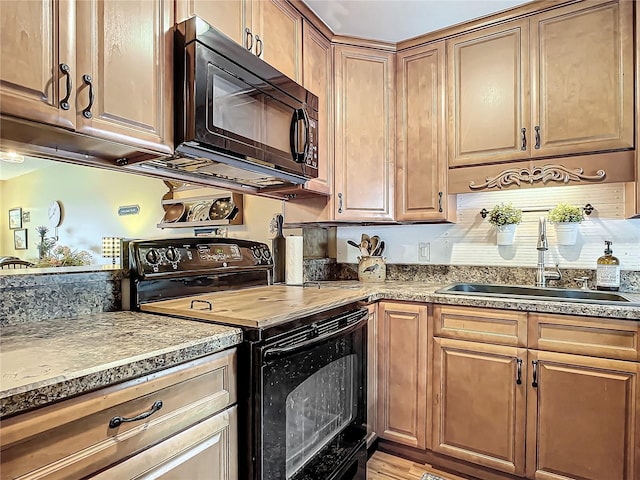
x=608 y=270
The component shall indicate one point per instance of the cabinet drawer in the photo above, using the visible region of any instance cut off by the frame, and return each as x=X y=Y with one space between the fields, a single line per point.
x=502 y=327
x=73 y=438
x=597 y=337
x=206 y=450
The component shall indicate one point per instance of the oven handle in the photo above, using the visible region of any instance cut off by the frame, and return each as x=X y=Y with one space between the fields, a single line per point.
x=281 y=351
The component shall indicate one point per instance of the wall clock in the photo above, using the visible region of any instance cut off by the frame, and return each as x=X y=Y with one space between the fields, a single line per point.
x=55 y=214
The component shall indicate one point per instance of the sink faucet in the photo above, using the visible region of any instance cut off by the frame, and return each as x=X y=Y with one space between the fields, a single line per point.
x=543 y=275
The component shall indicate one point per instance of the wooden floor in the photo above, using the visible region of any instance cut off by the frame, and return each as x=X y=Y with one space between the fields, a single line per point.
x=382 y=466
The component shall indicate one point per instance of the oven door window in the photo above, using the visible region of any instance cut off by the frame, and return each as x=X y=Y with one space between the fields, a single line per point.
x=309 y=398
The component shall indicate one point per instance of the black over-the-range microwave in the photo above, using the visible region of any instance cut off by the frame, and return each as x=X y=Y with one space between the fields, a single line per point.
x=237 y=119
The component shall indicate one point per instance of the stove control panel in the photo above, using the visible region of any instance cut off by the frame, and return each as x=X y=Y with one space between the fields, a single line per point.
x=206 y=255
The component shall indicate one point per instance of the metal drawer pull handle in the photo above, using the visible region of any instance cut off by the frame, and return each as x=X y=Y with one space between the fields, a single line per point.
x=248 y=45
x=117 y=421
x=87 y=111
x=64 y=103
x=440 y=202
x=537 y=146
x=519 y=377
x=534 y=383
x=524 y=139
x=207 y=302
x=259 y=46
x=340 y=203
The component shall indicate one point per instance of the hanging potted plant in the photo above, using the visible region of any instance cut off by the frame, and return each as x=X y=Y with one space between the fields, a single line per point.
x=565 y=219
x=505 y=217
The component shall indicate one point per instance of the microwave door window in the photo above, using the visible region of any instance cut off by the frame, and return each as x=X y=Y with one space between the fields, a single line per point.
x=255 y=119
x=235 y=110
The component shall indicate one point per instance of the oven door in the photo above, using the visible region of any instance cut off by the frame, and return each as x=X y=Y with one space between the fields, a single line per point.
x=313 y=410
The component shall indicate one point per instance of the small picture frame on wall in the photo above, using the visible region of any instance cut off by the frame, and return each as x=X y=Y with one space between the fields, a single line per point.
x=20 y=239
x=15 y=218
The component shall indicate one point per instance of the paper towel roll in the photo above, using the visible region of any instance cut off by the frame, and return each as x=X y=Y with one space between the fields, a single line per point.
x=293 y=268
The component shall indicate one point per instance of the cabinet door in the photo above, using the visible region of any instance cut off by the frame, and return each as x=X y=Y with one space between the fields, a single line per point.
x=365 y=134
x=582 y=78
x=277 y=27
x=583 y=418
x=206 y=450
x=317 y=75
x=488 y=90
x=421 y=175
x=402 y=373
x=126 y=49
x=479 y=407
x=36 y=38
x=231 y=17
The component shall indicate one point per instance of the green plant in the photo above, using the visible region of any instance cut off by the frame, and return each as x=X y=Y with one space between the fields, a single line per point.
x=505 y=214
x=563 y=212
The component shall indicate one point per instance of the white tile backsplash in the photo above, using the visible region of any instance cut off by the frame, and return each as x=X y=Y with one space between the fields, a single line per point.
x=472 y=239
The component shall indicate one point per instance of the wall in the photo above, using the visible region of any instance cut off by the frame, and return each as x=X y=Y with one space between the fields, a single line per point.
x=472 y=240
x=90 y=199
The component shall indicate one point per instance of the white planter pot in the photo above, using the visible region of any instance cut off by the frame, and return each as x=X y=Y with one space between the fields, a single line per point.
x=566 y=233
x=506 y=234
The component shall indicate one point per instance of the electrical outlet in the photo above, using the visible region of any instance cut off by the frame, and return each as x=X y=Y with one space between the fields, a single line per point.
x=424 y=252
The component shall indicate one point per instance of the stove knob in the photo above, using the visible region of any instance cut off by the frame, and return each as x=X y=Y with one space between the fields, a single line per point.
x=172 y=254
x=152 y=256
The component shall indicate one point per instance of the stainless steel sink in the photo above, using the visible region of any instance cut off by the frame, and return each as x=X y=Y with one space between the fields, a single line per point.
x=544 y=293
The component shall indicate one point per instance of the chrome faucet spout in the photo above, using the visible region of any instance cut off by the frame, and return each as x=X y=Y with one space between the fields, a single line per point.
x=542 y=275
x=543 y=244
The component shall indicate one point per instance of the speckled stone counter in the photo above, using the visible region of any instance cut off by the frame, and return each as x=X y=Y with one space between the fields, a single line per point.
x=42 y=362
x=36 y=294
x=425 y=292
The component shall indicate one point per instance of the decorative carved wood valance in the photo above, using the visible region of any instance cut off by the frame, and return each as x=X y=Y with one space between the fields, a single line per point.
x=544 y=174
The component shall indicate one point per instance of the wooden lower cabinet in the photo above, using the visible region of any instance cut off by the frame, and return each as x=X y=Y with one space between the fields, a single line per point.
x=583 y=419
x=77 y=437
x=479 y=398
x=402 y=373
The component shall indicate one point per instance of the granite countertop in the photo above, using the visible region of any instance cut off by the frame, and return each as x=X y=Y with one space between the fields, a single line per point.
x=425 y=292
x=43 y=362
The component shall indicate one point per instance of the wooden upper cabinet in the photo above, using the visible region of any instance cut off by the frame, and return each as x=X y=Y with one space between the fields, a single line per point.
x=582 y=78
x=317 y=74
x=402 y=373
x=583 y=418
x=488 y=78
x=271 y=29
x=421 y=174
x=364 y=134
x=126 y=49
x=279 y=28
x=227 y=16
x=479 y=403
x=577 y=63
x=36 y=39
x=317 y=77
